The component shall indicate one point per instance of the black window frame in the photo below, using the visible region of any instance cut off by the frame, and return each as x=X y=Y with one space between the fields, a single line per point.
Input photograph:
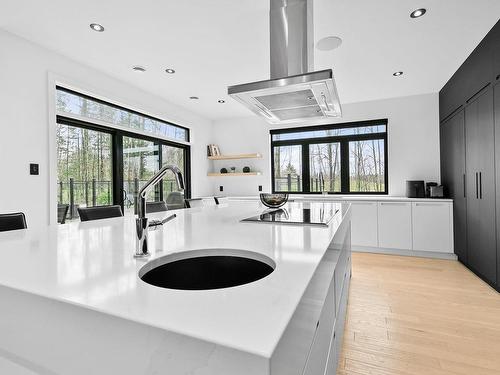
x=116 y=106
x=117 y=154
x=343 y=140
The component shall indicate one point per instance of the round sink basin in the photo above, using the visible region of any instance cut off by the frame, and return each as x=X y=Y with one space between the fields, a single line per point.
x=207 y=269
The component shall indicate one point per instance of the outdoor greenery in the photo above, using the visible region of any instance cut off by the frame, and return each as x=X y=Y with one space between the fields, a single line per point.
x=85 y=157
x=366 y=160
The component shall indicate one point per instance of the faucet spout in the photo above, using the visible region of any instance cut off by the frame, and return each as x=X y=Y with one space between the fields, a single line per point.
x=141 y=221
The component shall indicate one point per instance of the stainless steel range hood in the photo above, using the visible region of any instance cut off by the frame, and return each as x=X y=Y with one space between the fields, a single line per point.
x=294 y=93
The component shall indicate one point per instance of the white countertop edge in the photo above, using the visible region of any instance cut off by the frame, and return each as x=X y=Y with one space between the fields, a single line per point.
x=347 y=198
x=263 y=354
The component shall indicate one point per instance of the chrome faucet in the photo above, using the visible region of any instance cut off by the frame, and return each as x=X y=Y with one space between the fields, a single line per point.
x=141 y=223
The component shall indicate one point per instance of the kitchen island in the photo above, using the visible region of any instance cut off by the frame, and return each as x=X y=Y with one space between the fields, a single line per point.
x=72 y=301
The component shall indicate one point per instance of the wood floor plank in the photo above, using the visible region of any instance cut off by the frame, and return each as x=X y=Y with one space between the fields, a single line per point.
x=412 y=316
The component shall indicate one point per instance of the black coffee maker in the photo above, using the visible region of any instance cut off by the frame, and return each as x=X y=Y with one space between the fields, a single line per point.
x=415 y=189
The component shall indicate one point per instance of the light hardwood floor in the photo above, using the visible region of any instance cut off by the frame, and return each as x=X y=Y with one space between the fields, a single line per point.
x=418 y=316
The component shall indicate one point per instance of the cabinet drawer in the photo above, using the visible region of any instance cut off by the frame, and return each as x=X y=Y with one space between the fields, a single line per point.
x=394 y=225
x=364 y=224
x=318 y=355
x=432 y=227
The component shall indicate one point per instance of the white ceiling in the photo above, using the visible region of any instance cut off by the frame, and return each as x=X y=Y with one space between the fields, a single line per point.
x=215 y=43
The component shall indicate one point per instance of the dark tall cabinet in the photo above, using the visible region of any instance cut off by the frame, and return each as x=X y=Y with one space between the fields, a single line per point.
x=470 y=157
x=496 y=103
x=452 y=137
x=480 y=184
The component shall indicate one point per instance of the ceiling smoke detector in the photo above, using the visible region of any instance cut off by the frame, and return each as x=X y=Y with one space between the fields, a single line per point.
x=170 y=71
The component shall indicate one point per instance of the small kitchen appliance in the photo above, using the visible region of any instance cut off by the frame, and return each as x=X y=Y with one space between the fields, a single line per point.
x=436 y=192
x=415 y=189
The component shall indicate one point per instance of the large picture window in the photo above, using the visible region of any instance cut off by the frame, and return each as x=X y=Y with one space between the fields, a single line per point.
x=102 y=165
x=349 y=158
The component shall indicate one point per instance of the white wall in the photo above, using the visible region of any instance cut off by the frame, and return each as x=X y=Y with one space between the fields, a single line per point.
x=413 y=141
x=27 y=72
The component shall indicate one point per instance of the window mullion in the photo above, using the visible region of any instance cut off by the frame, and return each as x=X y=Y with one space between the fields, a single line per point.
x=344 y=167
x=306 y=173
x=117 y=167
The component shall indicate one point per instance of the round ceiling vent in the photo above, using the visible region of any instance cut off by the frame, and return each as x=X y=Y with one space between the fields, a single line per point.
x=329 y=43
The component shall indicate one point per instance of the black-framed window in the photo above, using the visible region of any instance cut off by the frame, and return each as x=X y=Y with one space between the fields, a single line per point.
x=347 y=158
x=102 y=165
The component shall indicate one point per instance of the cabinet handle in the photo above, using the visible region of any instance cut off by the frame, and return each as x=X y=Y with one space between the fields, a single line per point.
x=477 y=191
x=430 y=204
x=480 y=185
x=393 y=204
x=363 y=203
x=465 y=193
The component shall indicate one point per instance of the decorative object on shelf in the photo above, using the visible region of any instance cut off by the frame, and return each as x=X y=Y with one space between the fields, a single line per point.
x=213 y=150
x=223 y=170
x=246 y=169
x=233 y=169
x=273 y=200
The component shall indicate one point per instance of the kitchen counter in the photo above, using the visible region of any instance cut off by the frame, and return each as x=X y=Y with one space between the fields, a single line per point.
x=90 y=266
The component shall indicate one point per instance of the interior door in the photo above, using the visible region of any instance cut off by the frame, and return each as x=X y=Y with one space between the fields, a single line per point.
x=453 y=177
x=480 y=167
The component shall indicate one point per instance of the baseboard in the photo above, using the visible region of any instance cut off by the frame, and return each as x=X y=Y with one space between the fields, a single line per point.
x=404 y=252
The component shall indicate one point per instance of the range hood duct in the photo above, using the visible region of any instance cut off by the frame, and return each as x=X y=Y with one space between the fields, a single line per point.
x=295 y=93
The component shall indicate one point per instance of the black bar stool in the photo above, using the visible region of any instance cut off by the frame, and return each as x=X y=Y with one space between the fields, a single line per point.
x=99 y=212
x=12 y=221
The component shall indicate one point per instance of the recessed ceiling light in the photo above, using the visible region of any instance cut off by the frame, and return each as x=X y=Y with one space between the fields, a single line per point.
x=418 y=13
x=221 y=101
x=170 y=71
x=138 y=68
x=97 y=27
x=194 y=98
x=329 y=43
x=397 y=74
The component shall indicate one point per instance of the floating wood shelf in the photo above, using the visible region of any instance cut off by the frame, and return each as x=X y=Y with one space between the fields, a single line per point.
x=233 y=174
x=237 y=156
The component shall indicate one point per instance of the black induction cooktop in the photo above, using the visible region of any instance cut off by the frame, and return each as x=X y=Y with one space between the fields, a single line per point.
x=319 y=215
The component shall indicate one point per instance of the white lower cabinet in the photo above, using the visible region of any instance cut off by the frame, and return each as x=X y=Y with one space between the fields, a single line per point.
x=394 y=225
x=432 y=230
x=364 y=221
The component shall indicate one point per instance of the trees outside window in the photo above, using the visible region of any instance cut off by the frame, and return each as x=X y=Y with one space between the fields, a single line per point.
x=99 y=164
x=341 y=158
x=288 y=169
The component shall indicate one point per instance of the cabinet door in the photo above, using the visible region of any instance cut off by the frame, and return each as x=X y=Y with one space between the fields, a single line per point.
x=364 y=224
x=497 y=164
x=432 y=226
x=452 y=136
x=480 y=170
x=394 y=225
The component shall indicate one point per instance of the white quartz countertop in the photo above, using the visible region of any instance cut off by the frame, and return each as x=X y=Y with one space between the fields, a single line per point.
x=91 y=265
x=347 y=198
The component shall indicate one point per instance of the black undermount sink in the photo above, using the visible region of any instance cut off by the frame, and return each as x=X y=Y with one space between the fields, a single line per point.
x=207 y=269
